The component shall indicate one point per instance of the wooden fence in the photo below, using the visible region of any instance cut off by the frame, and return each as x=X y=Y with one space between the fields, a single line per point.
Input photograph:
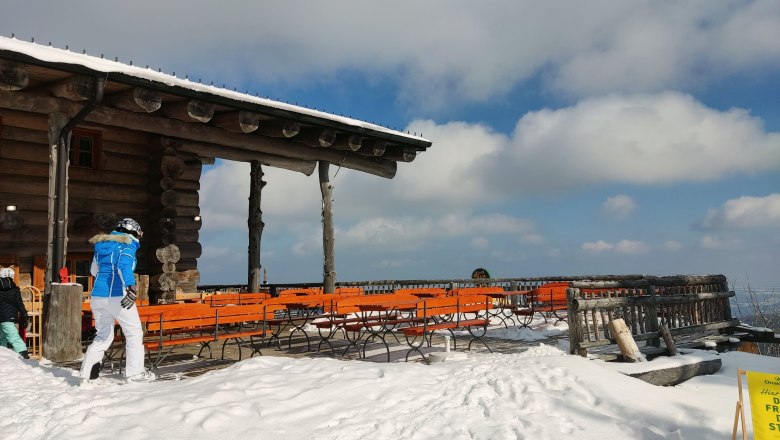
x=686 y=304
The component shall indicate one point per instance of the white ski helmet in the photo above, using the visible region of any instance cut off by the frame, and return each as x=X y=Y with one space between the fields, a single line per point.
x=129 y=226
x=6 y=272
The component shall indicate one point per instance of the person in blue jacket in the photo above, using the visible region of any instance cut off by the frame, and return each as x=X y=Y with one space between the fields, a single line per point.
x=11 y=309
x=113 y=298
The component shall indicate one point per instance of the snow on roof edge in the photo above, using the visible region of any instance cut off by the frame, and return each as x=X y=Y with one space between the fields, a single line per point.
x=56 y=55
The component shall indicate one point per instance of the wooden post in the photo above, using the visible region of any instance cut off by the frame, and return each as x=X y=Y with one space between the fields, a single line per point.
x=329 y=274
x=652 y=318
x=255 y=224
x=57 y=122
x=575 y=323
x=62 y=340
x=668 y=340
x=625 y=341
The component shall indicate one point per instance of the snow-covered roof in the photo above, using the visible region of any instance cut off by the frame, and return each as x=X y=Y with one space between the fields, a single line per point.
x=54 y=55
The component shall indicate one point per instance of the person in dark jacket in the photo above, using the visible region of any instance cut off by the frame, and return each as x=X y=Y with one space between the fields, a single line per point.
x=11 y=310
x=113 y=299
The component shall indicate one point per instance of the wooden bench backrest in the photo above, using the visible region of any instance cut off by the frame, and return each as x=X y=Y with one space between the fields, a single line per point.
x=198 y=316
x=433 y=291
x=302 y=291
x=350 y=304
x=223 y=299
x=450 y=305
x=481 y=290
x=348 y=291
x=550 y=293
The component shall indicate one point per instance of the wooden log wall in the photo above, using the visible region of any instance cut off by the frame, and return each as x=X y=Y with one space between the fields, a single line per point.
x=120 y=187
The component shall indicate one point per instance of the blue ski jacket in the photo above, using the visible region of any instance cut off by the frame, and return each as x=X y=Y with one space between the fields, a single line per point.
x=113 y=264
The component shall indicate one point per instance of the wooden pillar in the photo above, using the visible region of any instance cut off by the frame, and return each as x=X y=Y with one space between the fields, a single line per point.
x=329 y=274
x=256 y=225
x=58 y=173
x=62 y=340
x=164 y=279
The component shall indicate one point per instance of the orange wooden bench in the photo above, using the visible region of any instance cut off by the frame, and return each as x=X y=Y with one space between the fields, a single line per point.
x=171 y=328
x=423 y=292
x=224 y=299
x=449 y=313
x=350 y=316
x=301 y=291
x=503 y=309
x=547 y=299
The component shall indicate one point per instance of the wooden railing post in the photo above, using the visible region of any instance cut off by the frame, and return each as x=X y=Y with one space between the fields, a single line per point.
x=651 y=322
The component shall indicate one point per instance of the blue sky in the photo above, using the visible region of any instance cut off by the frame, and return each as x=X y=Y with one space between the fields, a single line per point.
x=569 y=138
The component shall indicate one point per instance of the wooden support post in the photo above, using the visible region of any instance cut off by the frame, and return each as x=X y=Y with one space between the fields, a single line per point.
x=668 y=340
x=329 y=274
x=625 y=340
x=255 y=224
x=652 y=318
x=56 y=154
x=62 y=340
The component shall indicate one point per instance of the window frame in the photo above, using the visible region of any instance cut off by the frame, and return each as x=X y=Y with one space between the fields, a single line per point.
x=75 y=147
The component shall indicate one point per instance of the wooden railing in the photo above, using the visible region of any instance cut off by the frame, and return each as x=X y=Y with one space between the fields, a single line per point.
x=685 y=304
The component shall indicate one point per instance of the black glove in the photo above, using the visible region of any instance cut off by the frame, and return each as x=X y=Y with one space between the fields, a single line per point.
x=23 y=322
x=129 y=299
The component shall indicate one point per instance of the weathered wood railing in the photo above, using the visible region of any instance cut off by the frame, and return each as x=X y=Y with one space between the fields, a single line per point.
x=685 y=304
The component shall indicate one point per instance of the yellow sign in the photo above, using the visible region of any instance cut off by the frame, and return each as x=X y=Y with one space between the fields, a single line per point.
x=764 y=390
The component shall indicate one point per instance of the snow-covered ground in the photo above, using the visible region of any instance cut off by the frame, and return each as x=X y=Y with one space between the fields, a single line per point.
x=541 y=393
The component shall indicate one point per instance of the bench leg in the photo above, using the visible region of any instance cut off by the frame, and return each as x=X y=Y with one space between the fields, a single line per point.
x=480 y=338
x=414 y=346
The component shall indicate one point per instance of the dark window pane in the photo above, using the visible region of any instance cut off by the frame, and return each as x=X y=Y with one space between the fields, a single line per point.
x=85 y=144
x=85 y=159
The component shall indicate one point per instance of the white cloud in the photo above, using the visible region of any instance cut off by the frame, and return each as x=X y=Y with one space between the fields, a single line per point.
x=413 y=232
x=454 y=51
x=717 y=242
x=619 y=206
x=639 y=139
x=480 y=243
x=672 y=245
x=745 y=212
x=627 y=247
x=597 y=246
x=631 y=247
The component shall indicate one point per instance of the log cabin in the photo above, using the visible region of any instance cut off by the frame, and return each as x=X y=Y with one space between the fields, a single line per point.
x=85 y=141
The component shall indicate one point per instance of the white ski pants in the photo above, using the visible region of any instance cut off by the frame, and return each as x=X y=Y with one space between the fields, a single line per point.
x=105 y=311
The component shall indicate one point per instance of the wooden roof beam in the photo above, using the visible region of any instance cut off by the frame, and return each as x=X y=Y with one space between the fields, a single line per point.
x=405 y=154
x=189 y=110
x=349 y=142
x=316 y=137
x=279 y=128
x=372 y=148
x=230 y=153
x=75 y=88
x=13 y=76
x=237 y=121
x=200 y=133
x=137 y=99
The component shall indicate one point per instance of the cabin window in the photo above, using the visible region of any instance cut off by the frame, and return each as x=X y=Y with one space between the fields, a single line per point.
x=85 y=148
x=78 y=268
